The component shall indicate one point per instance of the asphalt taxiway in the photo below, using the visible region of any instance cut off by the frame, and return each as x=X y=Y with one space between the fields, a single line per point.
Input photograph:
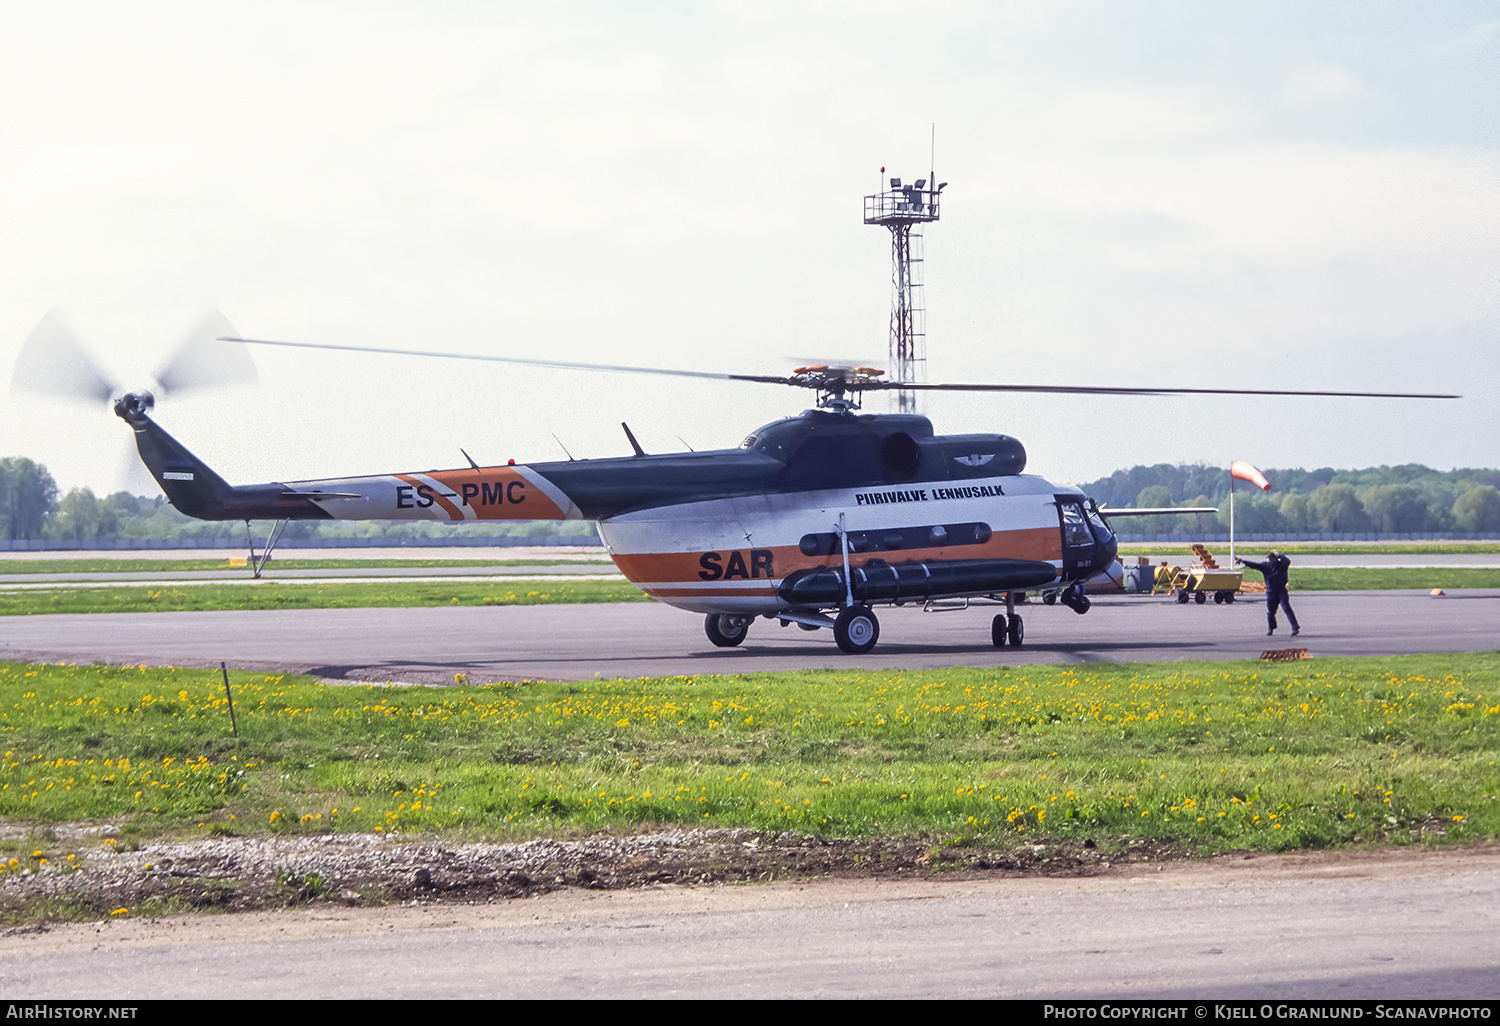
x=582 y=565
x=1326 y=925
x=580 y=642
x=1408 y=924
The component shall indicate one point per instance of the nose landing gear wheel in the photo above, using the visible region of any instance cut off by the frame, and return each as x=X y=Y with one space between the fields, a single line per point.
x=724 y=630
x=856 y=630
x=998 y=630
x=1017 y=632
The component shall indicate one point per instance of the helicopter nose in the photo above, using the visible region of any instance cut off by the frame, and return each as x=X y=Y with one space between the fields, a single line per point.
x=1106 y=545
x=1109 y=549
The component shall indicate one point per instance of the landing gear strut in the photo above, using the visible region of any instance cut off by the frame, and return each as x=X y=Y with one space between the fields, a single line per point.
x=1011 y=629
x=856 y=630
x=1005 y=628
x=725 y=630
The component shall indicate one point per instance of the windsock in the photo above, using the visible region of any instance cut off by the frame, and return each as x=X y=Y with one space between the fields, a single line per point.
x=1245 y=472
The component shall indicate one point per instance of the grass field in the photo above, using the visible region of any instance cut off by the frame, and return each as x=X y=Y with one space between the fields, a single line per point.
x=1204 y=756
x=1386 y=578
x=276 y=595
x=107 y=598
x=122 y=566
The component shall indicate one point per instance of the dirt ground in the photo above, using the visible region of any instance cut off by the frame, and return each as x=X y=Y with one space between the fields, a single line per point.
x=334 y=884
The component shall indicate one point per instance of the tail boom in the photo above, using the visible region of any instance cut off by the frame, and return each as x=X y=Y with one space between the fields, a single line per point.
x=486 y=493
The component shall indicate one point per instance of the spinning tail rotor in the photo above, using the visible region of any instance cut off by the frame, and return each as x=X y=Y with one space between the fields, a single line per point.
x=54 y=364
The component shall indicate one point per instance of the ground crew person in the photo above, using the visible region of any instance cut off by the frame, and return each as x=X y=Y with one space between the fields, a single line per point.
x=1274 y=570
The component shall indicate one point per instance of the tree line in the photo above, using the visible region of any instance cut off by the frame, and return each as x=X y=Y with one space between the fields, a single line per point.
x=31 y=508
x=1410 y=498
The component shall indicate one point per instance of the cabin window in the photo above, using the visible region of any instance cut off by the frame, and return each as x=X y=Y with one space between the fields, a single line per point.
x=898 y=538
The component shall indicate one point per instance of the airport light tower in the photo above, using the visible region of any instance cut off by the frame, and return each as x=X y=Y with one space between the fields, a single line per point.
x=902 y=209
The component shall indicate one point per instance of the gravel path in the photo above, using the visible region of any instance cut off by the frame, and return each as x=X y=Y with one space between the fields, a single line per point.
x=245 y=873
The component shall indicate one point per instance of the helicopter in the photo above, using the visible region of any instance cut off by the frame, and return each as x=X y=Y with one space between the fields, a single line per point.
x=812 y=520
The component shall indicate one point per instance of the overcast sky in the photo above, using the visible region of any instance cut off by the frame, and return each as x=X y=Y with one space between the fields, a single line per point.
x=1298 y=195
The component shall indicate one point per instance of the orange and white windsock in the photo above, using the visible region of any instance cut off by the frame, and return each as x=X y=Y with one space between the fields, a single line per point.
x=1245 y=472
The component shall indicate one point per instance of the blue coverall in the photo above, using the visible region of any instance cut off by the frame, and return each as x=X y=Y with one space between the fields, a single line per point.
x=1274 y=570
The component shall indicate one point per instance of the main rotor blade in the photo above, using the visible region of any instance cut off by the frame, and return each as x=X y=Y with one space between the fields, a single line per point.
x=200 y=362
x=523 y=361
x=1155 y=511
x=1110 y=390
x=53 y=363
x=839 y=379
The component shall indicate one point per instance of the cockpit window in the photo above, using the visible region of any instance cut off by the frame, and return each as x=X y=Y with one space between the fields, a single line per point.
x=933 y=536
x=778 y=440
x=1075 y=529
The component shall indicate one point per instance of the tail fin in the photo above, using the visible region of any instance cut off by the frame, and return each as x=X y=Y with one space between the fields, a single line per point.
x=187 y=481
x=192 y=487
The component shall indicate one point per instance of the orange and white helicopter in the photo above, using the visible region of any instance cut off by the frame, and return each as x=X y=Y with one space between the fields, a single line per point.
x=811 y=520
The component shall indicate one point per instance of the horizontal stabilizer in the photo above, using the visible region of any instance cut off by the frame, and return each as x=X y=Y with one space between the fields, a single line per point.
x=1156 y=511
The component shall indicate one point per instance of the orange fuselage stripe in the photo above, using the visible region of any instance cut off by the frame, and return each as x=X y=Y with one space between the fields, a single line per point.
x=709 y=592
x=493 y=493
x=1042 y=544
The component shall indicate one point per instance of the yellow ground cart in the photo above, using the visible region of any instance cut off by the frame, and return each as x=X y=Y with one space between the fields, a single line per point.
x=1197 y=582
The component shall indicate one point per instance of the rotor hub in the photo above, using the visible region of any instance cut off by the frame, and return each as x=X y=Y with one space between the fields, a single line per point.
x=132 y=407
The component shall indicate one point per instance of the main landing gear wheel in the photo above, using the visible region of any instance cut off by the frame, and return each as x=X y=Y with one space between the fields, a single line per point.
x=998 y=630
x=856 y=630
x=724 y=630
x=1017 y=631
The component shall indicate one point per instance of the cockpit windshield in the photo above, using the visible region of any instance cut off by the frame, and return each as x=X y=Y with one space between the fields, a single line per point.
x=1075 y=531
x=779 y=439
